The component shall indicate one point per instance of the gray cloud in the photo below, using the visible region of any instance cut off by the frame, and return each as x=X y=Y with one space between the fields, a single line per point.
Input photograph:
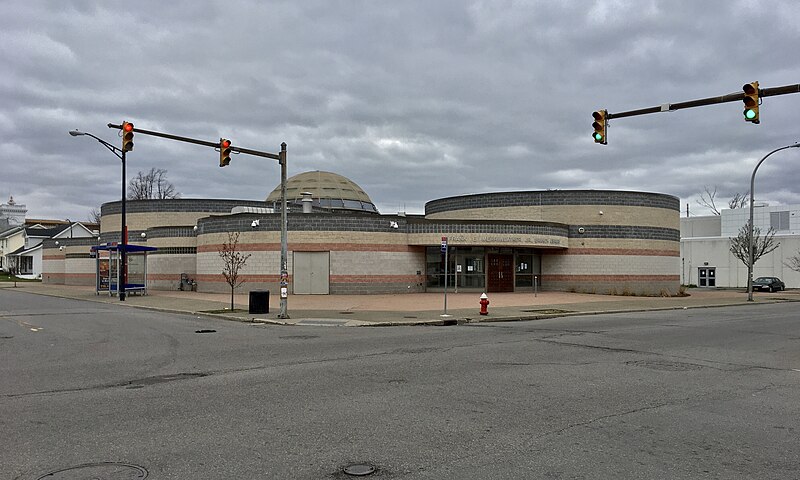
x=412 y=100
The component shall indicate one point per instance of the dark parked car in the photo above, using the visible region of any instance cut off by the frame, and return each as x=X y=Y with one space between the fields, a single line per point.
x=768 y=283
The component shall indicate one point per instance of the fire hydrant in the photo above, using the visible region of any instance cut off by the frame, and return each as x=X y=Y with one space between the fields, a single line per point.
x=484 y=304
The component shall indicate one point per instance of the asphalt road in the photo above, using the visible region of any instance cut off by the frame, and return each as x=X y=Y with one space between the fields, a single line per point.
x=698 y=393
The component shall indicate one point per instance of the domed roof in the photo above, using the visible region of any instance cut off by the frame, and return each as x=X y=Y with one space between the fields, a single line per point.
x=329 y=190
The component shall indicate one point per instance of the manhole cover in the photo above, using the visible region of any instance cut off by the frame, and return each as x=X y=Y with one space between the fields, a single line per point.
x=359 y=470
x=98 y=471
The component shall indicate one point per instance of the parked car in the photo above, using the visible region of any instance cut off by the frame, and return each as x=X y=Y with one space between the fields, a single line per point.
x=768 y=283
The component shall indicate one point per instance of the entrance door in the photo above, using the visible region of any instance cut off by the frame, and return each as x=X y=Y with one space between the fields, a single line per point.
x=707 y=277
x=311 y=273
x=500 y=273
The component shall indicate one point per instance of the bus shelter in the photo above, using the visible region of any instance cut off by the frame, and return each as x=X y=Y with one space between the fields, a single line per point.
x=108 y=260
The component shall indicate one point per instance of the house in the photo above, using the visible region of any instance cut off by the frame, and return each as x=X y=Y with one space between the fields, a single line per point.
x=21 y=247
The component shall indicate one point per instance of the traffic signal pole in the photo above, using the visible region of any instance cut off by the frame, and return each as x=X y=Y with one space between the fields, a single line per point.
x=731 y=97
x=281 y=158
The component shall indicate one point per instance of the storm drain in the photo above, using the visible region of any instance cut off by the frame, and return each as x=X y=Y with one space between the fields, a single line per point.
x=205 y=330
x=359 y=470
x=98 y=471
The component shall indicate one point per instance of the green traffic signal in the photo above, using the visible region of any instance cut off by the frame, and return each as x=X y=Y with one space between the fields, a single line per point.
x=600 y=125
x=750 y=96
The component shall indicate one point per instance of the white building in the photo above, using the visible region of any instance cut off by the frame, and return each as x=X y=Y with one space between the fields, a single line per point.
x=706 y=260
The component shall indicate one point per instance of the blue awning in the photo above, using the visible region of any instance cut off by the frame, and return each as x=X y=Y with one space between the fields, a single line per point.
x=128 y=248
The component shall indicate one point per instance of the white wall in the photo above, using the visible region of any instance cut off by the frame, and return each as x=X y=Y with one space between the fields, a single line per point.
x=730 y=271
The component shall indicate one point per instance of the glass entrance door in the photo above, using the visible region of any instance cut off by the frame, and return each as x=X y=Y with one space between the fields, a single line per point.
x=707 y=277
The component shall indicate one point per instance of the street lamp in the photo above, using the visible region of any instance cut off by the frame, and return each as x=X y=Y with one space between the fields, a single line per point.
x=123 y=233
x=750 y=252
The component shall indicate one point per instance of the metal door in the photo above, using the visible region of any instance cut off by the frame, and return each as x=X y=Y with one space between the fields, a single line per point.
x=500 y=273
x=311 y=273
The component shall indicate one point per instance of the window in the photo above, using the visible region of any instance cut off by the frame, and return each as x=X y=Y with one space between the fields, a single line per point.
x=465 y=267
x=779 y=220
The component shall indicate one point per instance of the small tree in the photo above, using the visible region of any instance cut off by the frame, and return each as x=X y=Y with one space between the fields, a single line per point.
x=233 y=261
x=761 y=245
x=13 y=268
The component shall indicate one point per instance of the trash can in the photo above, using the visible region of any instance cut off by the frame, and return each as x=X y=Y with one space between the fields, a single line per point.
x=259 y=301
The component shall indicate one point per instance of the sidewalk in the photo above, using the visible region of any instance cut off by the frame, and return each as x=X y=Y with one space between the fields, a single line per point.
x=408 y=309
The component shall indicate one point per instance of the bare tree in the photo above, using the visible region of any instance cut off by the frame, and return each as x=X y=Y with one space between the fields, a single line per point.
x=233 y=261
x=761 y=245
x=13 y=268
x=739 y=200
x=153 y=184
x=793 y=262
x=708 y=200
x=94 y=215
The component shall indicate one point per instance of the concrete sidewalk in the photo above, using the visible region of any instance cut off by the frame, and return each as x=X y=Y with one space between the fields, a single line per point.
x=407 y=309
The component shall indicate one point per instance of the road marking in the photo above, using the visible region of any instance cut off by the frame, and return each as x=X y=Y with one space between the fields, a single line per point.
x=35 y=329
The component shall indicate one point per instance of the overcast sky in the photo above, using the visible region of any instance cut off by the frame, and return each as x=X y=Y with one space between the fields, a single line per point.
x=412 y=100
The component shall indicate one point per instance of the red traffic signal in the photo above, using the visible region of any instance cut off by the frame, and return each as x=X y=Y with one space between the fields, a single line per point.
x=224 y=152
x=127 y=136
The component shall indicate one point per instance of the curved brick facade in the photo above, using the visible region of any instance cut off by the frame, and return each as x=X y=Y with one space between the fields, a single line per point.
x=619 y=242
x=574 y=240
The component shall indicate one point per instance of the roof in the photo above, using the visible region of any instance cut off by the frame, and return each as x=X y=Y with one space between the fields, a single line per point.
x=328 y=190
x=24 y=250
x=44 y=232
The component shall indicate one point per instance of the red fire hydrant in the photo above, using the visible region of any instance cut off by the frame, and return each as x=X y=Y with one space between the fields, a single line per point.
x=484 y=304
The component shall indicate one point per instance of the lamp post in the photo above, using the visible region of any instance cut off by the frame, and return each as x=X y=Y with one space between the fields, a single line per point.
x=750 y=253
x=123 y=232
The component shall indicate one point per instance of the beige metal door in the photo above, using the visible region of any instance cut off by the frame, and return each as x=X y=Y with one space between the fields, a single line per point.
x=311 y=273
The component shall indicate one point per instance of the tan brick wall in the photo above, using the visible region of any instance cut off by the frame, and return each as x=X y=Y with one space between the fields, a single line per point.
x=53 y=266
x=608 y=265
x=143 y=221
x=377 y=263
x=164 y=271
x=571 y=215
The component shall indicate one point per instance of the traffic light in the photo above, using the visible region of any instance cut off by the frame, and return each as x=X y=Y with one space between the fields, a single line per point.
x=751 y=102
x=600 y=127
x=224 y=152
x=127 y=136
